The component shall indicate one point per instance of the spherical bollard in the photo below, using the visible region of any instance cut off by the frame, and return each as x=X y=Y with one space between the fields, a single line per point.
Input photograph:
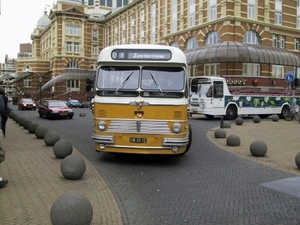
x=258 y=148
x=51 y=137
x=239 y=121
x=226 y=124
x=233 y=140
x=25 y=123
x=71 y=208
x=62 y=148
x=220 y=133
x=256 y=119
x=31 y=127
x=297 y=160
x=72 y=167
x=275 y=118
x=40 y=132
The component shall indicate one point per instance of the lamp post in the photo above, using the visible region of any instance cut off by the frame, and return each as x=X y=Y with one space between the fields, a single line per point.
x=40 y=81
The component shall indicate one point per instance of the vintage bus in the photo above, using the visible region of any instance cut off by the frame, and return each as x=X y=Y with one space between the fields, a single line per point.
x=210 y=96
x=141 y=100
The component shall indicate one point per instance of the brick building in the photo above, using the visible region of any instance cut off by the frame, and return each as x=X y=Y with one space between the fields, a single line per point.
x=66 y=43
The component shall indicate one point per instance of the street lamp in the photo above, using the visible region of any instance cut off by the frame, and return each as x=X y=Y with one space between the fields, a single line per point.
x=40 y=81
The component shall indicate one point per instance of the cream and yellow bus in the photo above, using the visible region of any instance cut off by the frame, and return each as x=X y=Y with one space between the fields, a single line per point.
x=141 y=100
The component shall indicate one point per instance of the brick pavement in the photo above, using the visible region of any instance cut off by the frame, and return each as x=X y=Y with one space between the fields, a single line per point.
x=35 y=182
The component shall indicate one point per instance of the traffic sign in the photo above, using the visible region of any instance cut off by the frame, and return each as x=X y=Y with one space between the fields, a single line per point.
x=289 y=78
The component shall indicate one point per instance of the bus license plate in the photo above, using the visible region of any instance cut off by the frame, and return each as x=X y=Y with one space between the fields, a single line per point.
x=138 y=140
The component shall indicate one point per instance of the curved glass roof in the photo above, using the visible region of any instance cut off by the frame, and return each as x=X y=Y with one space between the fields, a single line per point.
x=236 y=52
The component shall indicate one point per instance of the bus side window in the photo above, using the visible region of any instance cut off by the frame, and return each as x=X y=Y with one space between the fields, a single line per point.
x=218 y=89
x=209 y=92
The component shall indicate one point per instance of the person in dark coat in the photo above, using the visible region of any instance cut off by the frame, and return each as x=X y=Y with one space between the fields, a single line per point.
x=4 y=114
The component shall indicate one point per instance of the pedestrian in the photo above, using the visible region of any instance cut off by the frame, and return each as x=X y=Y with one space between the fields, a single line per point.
x=5 y=112
x=3 y=182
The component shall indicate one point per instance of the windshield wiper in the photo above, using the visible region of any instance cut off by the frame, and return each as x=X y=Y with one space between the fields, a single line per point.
x=124 y=82
x=153 y=78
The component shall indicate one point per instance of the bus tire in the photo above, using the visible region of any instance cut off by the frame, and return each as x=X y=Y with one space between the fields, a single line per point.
x=284 y=112
x=231 y=113
x=190 y=140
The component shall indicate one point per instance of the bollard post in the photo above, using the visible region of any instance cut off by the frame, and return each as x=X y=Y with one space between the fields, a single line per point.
x=222 y=122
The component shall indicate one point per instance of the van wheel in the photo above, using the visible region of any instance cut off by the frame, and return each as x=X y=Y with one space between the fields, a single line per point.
x=284 y=112
x=231 y=113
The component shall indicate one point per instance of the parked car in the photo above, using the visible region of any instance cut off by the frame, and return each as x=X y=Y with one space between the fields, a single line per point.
x=55 y=109
x=73 y=103
x=26 y=103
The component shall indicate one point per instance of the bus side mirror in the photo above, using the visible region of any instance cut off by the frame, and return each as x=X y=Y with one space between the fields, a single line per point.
x=89 y=83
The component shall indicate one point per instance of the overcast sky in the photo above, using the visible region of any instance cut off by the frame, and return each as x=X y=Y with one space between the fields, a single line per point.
x=18 y=19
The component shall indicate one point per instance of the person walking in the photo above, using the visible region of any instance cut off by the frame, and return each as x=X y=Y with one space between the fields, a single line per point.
x=5 y=112
x=3 y=181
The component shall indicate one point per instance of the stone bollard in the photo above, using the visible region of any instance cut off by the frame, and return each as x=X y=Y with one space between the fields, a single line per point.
x=258 y=148
x=25 y=123
x=233 y=140
x=239 y=121
x=297 y=160
x=62 y=149
x=71 y=208
x=256 y=119
x=31 y=127
x=40 y=132
x=72 y=167
x=220 y=133
x=275 y=118
x=51 y=137
x=226 y=124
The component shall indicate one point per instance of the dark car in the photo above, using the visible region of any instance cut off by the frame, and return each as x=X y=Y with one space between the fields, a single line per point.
x=73 y=103
x=55 y=109
x=26 y=103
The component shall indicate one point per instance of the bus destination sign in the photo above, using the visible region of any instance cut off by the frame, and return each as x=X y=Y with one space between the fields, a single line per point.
x=141 y=54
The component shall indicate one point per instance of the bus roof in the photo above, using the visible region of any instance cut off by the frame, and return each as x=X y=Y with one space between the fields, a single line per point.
x=142 y=53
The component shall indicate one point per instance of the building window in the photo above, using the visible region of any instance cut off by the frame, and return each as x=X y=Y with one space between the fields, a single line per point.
x=251 y=37
x=212 y=38
x=95 y=50
x=91 y=2
x=174 y=44
x=298 y=14
x=76 y=47
x=274 y=42
x=72 y=30
x=191 y=43
x=174 y=16
x=296 y=44
x=278 y=71
x=192 y=13
x=213 y=9
x=107 y=3
x=278 y=12
x=251 y=9
x=69 y=47
x=27 y=82
x=212 y=69
x=251 y=69
x=95 y=34
x=142 y=28
x=153 y=23
x=282 y=42
x=73 y=65
x=73 y=85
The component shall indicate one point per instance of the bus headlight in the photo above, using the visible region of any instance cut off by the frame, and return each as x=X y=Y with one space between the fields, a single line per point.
x=176 y=127
x=101 y=125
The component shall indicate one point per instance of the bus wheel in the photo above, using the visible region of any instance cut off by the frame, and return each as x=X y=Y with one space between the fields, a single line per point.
x=209 y=116
x=231 y=113
x=190 y=140
x=284 y=112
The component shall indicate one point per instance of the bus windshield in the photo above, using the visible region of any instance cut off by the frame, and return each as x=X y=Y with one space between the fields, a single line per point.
x=146 y=81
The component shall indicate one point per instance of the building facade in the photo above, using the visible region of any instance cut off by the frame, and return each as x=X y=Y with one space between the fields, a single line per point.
x=67 y=42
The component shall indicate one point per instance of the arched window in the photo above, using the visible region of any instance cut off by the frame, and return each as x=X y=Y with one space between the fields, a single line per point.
x=212 y=38
x=174 y=44
x=251 y=37
x=73 y=65
x=191 y=43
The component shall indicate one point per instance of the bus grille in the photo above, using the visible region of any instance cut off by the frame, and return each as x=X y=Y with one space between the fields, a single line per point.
x=139 y=126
